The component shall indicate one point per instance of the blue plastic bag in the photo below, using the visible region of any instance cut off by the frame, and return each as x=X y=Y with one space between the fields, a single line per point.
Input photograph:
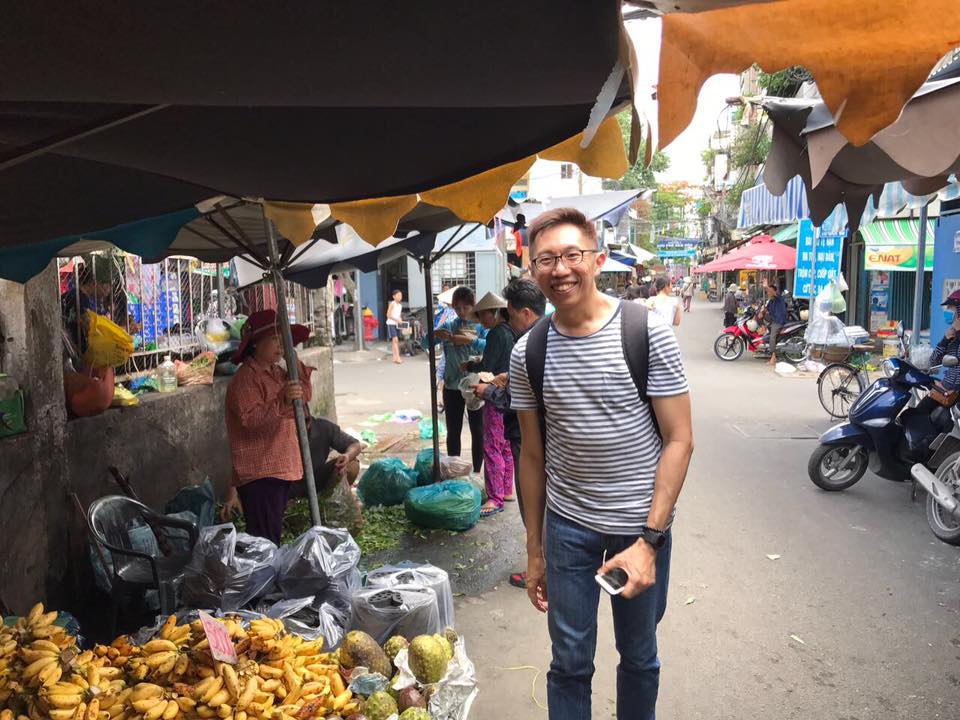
x=386 y=482
x=446 y=505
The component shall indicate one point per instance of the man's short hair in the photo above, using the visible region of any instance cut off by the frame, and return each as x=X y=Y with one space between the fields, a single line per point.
x=463 y=295
x=523 y=293
x=562 y=216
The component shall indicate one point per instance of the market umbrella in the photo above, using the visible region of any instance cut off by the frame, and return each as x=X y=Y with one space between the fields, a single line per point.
x=763 y=252
x=846 y=44
x=920 y=150
x=390 y=106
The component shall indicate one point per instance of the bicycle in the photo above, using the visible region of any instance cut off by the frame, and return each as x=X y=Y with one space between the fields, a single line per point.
x=841 y=382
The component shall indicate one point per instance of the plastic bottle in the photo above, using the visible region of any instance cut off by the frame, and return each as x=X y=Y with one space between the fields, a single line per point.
x=167 y=375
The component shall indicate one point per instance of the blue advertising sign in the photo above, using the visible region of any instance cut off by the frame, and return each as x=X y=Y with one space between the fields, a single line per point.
x=677 y=253
x=827 y=266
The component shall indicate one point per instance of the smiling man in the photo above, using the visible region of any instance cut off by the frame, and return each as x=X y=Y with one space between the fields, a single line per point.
x=600 y=489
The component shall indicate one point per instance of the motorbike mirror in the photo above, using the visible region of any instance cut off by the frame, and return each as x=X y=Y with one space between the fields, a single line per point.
x=950 y=361
x=899 y=330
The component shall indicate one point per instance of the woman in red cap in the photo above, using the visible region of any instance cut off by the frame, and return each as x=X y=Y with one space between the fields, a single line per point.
x=261 y=427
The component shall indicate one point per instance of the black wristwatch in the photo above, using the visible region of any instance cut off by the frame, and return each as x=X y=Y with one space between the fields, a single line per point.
x=654 y=538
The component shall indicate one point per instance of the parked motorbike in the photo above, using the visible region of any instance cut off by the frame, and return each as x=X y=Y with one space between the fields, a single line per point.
x=411 y=331
x=880 y=434
x=749 y=333
x=940 y=477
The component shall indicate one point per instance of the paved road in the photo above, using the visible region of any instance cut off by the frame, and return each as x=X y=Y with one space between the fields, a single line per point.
x=858 y=618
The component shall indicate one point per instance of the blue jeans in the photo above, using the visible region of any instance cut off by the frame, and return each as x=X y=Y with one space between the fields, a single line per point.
x=573 y=555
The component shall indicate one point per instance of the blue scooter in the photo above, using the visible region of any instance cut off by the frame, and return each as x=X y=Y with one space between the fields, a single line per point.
x=880 y=434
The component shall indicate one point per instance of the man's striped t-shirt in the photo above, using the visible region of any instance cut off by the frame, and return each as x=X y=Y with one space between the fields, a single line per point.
x=602 y=448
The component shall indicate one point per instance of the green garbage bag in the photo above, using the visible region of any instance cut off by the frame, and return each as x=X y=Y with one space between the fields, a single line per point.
x=386 y=482
x=446 y=505
x=426 y=429
x=424 y=466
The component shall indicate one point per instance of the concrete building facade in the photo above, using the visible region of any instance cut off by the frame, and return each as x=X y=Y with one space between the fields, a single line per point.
x=165 y=443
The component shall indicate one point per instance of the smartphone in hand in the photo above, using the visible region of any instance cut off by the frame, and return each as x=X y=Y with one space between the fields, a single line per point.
x=613 y=582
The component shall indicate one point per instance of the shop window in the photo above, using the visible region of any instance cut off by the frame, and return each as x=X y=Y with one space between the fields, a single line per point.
x=159 y=304
x=454 y=269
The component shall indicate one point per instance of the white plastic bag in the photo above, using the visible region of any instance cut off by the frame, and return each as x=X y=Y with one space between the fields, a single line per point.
x=473 y=402
x=418 y=574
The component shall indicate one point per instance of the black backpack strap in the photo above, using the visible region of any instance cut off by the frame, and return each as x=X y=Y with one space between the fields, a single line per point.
x=536 y=359
x=636 y=349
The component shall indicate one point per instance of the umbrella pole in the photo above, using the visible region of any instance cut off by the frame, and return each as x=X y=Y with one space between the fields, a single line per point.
x=432 y=351
x=293 y=371
x=918 y=283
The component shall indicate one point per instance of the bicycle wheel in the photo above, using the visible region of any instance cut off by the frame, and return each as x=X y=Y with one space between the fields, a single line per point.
x=839 y=386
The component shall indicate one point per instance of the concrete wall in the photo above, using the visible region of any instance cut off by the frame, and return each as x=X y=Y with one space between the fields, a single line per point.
x=163 y=444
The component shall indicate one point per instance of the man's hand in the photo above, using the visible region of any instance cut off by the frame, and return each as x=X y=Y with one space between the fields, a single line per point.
x=479 y=389
x=461 y=340
x=951 y=333
x=537 y=581
x=292 y=391
x=639 y=561
x=501 y=380
x=231 y=505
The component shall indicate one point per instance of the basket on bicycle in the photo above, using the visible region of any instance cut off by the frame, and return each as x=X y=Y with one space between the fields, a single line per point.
x=405 y=329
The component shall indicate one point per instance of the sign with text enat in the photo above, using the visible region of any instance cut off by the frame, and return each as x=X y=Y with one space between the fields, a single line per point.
x=811 y=277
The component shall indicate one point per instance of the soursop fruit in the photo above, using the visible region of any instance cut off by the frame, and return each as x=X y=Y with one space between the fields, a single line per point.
x=451 y=635
x=380 y=706
x=429 y=657
x=361 y=650
x=394 y=645
x=446 y=645
x=415 y=713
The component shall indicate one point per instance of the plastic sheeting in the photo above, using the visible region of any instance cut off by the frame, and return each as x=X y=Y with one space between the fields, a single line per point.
x=426 y=575
x=320 y=558
x=407 y=610
x=228 y=569
x=324 y=616
x=386 y=482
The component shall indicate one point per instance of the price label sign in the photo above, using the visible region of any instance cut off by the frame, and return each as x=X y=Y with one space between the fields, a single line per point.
x=221 y=646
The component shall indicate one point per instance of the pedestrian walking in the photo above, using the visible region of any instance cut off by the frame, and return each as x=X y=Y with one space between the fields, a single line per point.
x=730 y=305
x=663 y=303
x=394 y=318
x=776 y=312
x=686 y=293
x=442 y=315
x=591 y=507
x=264 y=447
x=461 y=338
x=497 y=459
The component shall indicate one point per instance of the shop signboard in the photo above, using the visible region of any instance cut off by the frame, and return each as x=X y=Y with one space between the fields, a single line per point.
x=677 y=253
x=892 y=258
x=812 y=277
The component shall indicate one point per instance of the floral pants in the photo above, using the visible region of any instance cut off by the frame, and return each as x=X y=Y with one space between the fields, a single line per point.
x=497 y=457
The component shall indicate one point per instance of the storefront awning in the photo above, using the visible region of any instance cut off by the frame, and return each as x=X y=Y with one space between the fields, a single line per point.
x=787 y=234
x=891 y=245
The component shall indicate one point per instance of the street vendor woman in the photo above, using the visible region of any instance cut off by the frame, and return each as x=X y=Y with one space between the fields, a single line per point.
x=260 y=424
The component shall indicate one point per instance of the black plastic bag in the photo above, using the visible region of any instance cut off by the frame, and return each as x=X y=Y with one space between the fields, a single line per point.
x=228 y=569
x=319 y=558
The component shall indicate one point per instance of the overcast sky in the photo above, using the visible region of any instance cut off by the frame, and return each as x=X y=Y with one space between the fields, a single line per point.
x=684 y=152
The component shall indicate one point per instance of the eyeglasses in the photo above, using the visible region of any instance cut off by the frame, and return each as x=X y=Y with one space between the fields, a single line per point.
x=571 y=257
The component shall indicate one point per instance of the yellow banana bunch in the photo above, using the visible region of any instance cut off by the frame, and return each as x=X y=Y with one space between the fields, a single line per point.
x=179 y=635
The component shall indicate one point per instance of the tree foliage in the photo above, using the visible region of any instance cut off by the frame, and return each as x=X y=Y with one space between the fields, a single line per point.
x=785 y=83
x=637 y=175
